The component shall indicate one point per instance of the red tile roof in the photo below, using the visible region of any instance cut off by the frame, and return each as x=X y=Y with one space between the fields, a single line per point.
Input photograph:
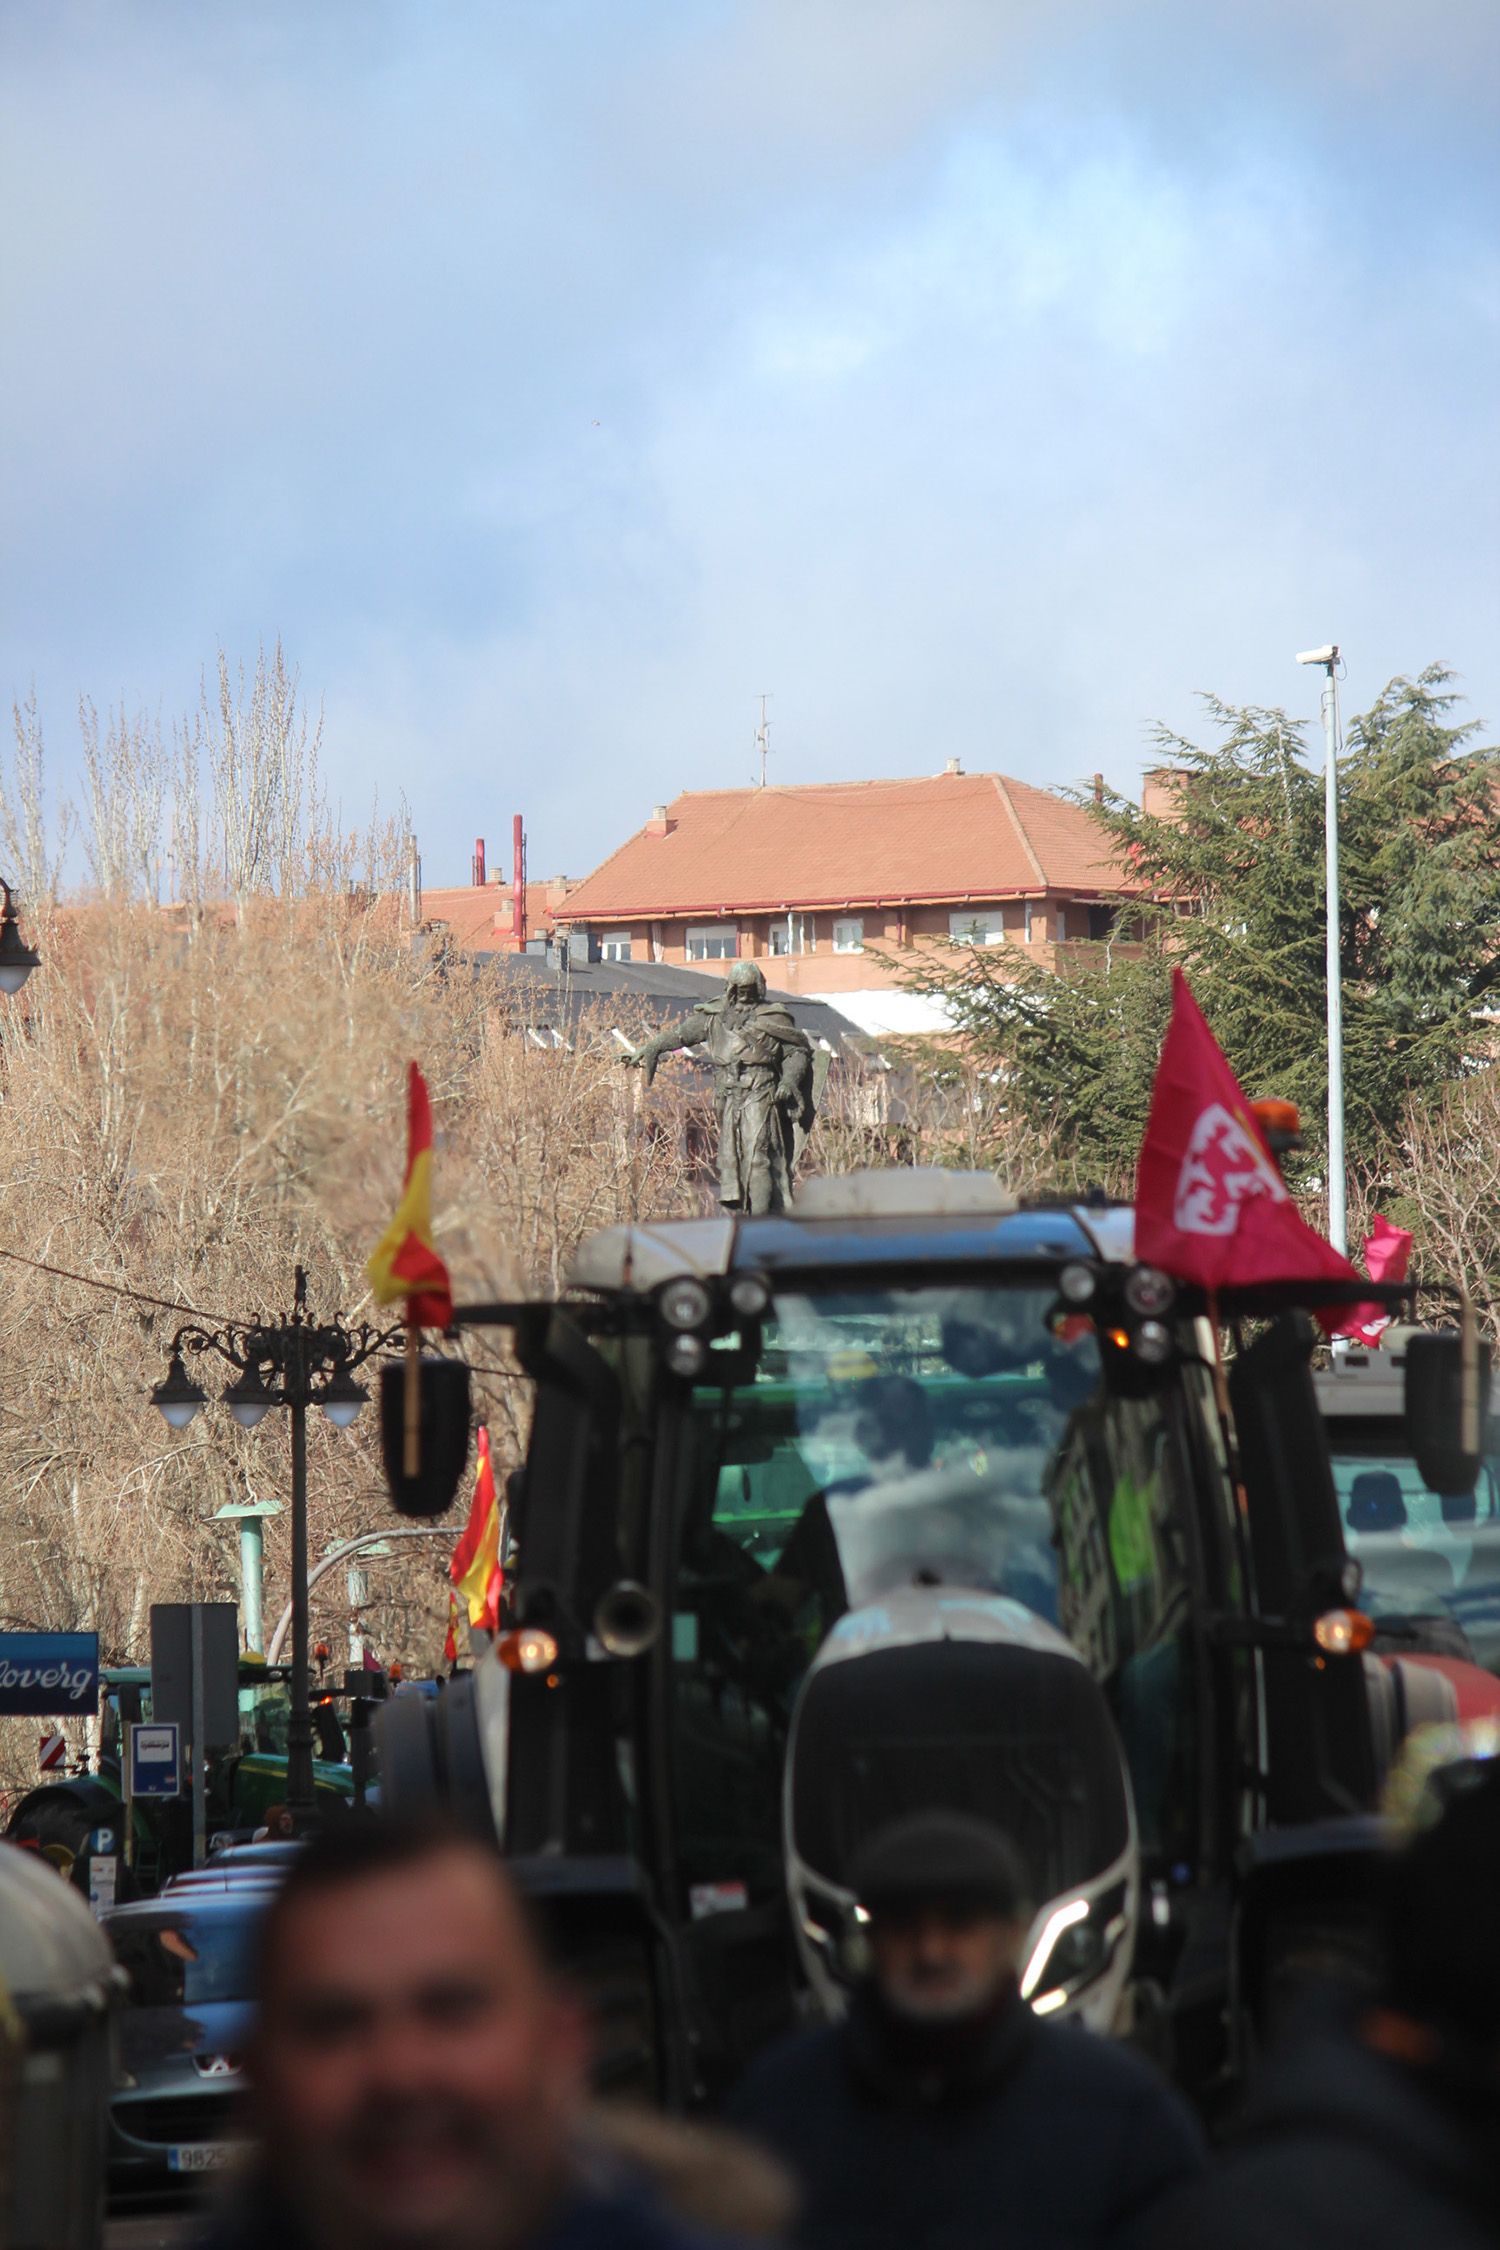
x=469 y=914
x=944 y=836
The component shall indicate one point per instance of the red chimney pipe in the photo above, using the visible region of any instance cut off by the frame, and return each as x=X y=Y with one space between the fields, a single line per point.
x=478 y=869
x=518 y=894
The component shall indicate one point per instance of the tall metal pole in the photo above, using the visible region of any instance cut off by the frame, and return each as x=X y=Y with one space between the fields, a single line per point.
x=1338 y=1215
x=196 y=1707
x=299 y=1733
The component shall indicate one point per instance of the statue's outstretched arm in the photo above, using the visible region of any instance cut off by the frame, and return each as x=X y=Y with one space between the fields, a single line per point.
x=688 y=1033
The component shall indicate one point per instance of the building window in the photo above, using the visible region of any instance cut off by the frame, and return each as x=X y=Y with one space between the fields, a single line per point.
x=614 y=945
x=849 y=934
x=1102 y=921
x=977 y=926
x=712 y=941
x=790 y=933
x=1030 y=922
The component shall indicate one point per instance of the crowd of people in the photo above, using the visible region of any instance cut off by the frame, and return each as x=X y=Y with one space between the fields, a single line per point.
x=421 y=2077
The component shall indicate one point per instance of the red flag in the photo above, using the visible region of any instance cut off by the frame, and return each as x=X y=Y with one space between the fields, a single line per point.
x=1211 y=1205
x=404 y=1262
x=479 y=1508
x=450 y=1640
x=1387 y=1256
x=475 y=1568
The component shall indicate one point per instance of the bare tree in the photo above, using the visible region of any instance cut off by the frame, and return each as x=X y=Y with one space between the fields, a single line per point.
x=34 y=845
x=125 y=780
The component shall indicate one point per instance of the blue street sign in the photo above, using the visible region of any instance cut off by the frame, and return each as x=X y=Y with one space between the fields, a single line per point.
x=154 y=1761
x=49 y=1675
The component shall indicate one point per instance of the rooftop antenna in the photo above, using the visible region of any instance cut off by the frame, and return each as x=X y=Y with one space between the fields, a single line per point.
x=763 y=739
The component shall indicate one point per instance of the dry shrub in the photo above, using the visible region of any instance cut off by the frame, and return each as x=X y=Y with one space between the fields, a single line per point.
x=918 y=1102
x=201 y=1096
x=197 y=1106
x=1445 y=1186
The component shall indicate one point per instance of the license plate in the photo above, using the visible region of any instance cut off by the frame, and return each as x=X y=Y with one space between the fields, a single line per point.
x=202 y=2156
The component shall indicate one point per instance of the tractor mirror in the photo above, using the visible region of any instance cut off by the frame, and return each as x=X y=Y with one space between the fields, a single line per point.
x=443 y=1422
x=1447 y=1405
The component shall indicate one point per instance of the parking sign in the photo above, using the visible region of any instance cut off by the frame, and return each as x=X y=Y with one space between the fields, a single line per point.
x=154 y=1761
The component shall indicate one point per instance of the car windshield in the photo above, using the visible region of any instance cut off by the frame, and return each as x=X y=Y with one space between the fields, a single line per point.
x=1422 y=1553
x=182 y=1959
x=889 y=1438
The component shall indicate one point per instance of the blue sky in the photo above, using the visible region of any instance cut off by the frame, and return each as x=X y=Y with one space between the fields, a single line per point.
x=981 y=377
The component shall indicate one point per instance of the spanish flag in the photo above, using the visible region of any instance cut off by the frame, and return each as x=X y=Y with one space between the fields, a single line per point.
x=475 y=1568
x=450 y=1638
x=403 y=1262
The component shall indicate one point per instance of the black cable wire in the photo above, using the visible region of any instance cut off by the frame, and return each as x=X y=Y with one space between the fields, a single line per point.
x=123 y=1289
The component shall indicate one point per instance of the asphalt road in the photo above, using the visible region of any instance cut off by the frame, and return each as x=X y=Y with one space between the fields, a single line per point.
x=162 y=2229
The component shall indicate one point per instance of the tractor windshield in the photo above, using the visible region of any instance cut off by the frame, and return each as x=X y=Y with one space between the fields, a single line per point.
x=945 y=1437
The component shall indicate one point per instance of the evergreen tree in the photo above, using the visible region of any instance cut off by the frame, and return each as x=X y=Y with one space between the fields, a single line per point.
x=1231 y=883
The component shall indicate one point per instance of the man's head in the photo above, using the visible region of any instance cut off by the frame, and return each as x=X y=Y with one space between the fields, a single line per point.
x=745 y=983
x=416 y=2074
x=946 y=1898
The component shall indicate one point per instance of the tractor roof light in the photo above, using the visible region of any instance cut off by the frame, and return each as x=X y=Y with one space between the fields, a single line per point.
x=750 y=1296
x=1149 y=1292
x=1076 y=1284
x=685 y=1304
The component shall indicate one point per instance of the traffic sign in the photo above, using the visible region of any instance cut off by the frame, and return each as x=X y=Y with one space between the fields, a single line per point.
x=154 y=1761
x=53 y=1756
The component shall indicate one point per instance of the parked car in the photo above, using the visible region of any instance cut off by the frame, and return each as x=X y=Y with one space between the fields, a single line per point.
x=271 y=1855
x=189 y=1957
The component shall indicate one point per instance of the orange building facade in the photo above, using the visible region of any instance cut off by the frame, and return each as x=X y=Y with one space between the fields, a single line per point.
x=836 y=889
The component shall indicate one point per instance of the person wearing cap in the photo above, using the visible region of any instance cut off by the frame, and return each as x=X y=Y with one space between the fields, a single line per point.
x=941 y=2113
x=1377 y=2121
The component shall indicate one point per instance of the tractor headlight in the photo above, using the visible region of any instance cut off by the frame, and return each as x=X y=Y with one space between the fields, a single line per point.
x=686 y=1356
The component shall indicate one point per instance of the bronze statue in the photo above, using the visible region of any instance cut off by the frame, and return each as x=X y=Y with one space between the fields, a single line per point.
x=763 y=1087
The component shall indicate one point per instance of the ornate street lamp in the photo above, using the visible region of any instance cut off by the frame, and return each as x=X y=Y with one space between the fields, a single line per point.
x=294 y=1362
x=17 y=958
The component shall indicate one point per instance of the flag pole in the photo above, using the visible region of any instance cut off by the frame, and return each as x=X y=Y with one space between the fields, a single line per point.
x=411 y=1458
x=1221 y=1400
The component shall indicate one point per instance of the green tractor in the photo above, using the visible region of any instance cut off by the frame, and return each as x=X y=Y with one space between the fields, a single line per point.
x=58 y=1817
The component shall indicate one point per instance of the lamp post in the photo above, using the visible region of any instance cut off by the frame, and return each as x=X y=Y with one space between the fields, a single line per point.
x=17 y=958
x=295 y=1362
x=1338 y=1219
x=250 y=1515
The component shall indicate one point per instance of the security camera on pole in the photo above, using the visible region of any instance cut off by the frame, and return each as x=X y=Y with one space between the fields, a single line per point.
x=1338 y=1215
